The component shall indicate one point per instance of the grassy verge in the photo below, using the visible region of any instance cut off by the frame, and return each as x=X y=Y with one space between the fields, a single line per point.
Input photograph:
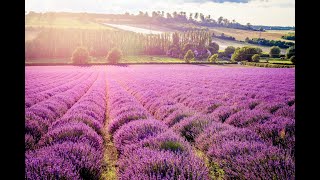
x=110 y=157
x=276 y=61
x=215 y=171
x=267 y=65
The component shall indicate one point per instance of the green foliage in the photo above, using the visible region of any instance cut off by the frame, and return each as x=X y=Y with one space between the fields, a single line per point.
x=255 y=58
x=293 y=59
x=174 y=51
x=290 y=52
x=245 y=53
x=265 y=42
x=213 y=47
x=80 y=56
x=189 y=56
x=274 y=52
x=289 y=36
x=171 y=146
x=175 y=38
x=266 y=65
x=187 y=47
x=114 y=56
x=213 y=58
x=229 y=51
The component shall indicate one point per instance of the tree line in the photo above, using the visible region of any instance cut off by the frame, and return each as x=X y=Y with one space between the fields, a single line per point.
x=60 y=43
x=156 y=17
x=266 y=42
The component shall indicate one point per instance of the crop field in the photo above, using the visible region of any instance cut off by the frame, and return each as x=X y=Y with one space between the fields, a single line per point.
x=240 y=34
x=194 y=122
x=63 y=23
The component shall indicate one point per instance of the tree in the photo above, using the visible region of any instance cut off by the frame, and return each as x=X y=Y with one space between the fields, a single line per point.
x=190 y=17
x=293 y=59
x=196 y=15
x=249 y=26
x=201 y=17
x=80 y=56
x=290 y=52
x=255 y=58
x=229 y=51
x=245 y=53
x=175 y=39
x=213 y=58
x=114 y=56
x=213 y=47
x=169 y=16
x=189 y=56
x=274 y=52
x=187 y=47
x=220 y=20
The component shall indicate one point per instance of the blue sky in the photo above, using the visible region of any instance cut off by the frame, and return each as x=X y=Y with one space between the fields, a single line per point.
x=258 y=12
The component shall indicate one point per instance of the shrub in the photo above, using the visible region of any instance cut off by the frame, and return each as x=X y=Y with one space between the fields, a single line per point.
x=213 y=47
x=290 y=52
x=229 y=51
x=293 y=59
x=255 y=58
x=191 y=127
x=145 y=163
x=274 y=52
x=80 y=56
x=114 y=56
x=67 y=160
x=174 y=51
x=187 y=47
x=264 y=54
x=168 y=141
x=213 y=58
x=252 y=160
x=189 y=56
x=245 y=53
x=136 y=131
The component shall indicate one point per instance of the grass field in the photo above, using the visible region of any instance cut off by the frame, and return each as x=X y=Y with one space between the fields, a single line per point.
x=225 y=43
x=63 y=23
x=276 y=61
x=242 y=34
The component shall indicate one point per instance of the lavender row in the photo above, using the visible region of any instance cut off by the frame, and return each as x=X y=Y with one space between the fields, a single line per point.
x=33 y=99
x=242 y=154
x=220 y=109
x=40 y=116
x=47 y=84
x=148 y=148
x=74 y=142
x=273 y=126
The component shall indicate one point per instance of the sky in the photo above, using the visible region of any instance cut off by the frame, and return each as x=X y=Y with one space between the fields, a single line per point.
x=256 y=12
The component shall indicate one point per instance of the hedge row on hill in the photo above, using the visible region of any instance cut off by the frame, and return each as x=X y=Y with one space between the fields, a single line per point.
x=266 y=65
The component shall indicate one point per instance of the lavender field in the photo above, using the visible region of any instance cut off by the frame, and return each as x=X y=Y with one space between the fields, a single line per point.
x=192 y=122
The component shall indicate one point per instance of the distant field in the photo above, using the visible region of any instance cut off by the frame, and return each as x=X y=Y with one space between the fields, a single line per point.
x=63 y=23
x=225 y=43
x=242 y=34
